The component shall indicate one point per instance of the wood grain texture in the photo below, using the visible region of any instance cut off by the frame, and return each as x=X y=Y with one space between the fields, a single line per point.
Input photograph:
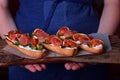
x=113 y=56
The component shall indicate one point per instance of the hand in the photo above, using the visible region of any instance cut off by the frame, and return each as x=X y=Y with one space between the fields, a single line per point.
x=35 y=67
x=74 y=66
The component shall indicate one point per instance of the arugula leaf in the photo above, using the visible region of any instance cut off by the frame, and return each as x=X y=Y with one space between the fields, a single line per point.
x=17 y=43
x=33 y=47
x=40 y=47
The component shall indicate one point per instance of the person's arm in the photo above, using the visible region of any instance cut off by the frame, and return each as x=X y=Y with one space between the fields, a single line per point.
x=6 y=24
x=108 y=24
x=110 y=17
x=6 y=20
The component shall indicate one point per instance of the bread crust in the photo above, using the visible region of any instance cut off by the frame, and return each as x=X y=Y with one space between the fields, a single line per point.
x=63 y=51
x=31 y=53
x=92 y=50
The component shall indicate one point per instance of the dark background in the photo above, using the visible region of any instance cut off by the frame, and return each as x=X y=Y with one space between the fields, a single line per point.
x=114 y=69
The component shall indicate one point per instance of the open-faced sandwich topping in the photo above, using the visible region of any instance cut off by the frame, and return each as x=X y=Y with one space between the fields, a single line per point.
x=23 y=39
x=12 y=35
x=64 y=32
x=81 y=38
x=69 y=43
x=40 y=35
x=96 y=43
x=54 y=40
x=34 y=41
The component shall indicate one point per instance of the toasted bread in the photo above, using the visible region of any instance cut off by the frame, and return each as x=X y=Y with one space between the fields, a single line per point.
x=92 y=49
x=28 y=52
x=59 y=50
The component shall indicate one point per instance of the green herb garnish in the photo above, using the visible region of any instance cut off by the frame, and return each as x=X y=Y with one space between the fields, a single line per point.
x=17 y=43
x=40 y=47
x=33 y=47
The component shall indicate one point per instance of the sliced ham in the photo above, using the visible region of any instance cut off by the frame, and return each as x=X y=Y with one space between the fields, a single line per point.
x=95 y=42
x=69 y=43
x=40 y=34
x=65 y=32
x=62 y=31
x=34 y=41
x=24 y=39
x=54 y=40
x=83 y=38
x=13 y=34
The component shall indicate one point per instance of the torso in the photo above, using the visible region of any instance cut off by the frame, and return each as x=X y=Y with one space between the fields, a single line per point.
x=77 y=14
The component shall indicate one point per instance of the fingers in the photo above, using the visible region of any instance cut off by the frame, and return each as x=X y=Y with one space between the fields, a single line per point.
x=35 y=67
x=30 y=68
x=43 y=66
x=74 y=66
x=68 y=66
x=40 y=67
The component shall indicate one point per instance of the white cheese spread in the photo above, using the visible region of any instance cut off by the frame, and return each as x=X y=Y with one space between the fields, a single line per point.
x=84 y=45
x=35 y=37
x=10 y=40
x=70 y=48
x=63 y=37
x=28 y=48
x=98 y=46
x=78 y=42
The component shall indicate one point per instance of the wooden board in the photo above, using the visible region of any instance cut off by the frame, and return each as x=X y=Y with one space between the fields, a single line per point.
x=113 y=56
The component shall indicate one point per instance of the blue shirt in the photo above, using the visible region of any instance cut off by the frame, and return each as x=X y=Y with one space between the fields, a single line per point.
x=77 y=14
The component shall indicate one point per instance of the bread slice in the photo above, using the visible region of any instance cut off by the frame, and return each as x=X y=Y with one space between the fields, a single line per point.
x=59 y=50
x=32 y=53
x=92 y=49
